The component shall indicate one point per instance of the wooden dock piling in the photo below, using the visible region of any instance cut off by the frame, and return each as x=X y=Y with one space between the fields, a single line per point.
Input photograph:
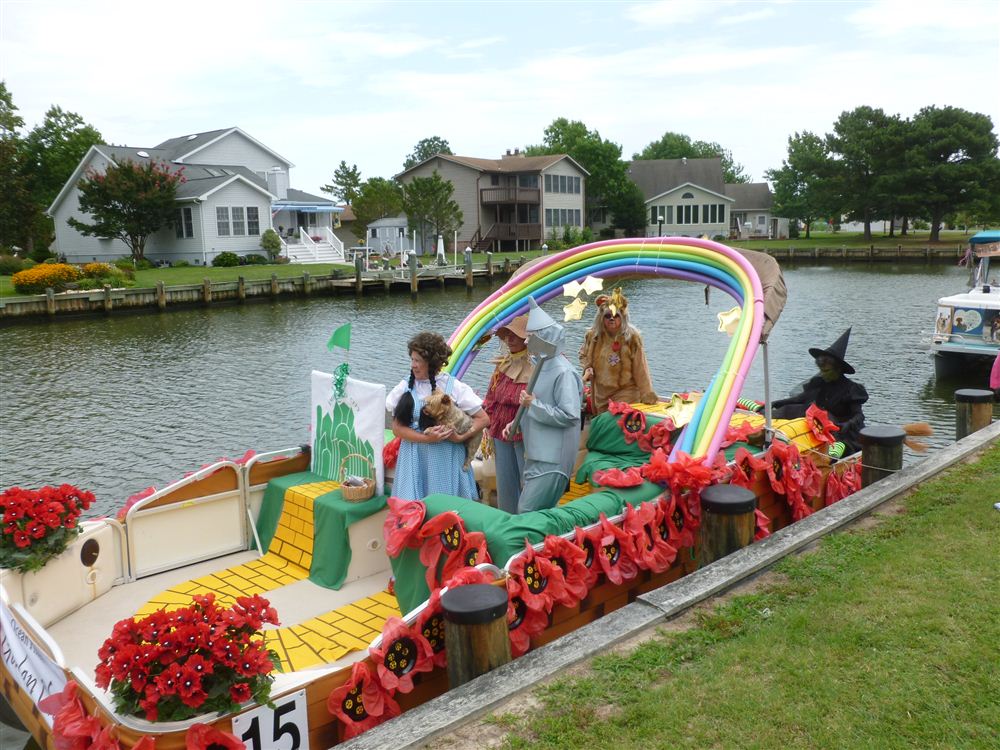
x=727 y=521
x=107 y=298
x=881 y=452
x=359 y=280
x=161 y=295
x=206 y=291
x=476 y=636
x=241 y=289
x=973 y=410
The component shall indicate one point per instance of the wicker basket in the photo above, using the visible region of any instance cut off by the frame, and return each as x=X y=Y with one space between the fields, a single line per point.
x=365 y=491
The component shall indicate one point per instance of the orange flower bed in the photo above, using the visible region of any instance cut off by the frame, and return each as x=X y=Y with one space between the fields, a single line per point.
x=36 y=280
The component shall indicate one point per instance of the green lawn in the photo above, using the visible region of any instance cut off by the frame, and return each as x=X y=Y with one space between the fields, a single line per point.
x=882 y=638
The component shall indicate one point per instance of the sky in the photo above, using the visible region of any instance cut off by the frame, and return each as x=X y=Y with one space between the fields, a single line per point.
x=319 y=82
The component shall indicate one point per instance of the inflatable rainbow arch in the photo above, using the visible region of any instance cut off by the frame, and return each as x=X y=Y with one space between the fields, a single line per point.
x=701 y=261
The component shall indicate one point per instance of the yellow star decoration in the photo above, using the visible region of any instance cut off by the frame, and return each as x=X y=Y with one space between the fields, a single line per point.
x=574 y=310
x=589 y=285
x=729 y=320
x=681 y=410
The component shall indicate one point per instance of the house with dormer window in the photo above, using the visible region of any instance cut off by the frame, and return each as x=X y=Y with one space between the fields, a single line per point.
x=235 y=189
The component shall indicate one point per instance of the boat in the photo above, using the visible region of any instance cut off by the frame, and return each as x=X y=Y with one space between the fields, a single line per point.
x=356 y=578
x=967 y=327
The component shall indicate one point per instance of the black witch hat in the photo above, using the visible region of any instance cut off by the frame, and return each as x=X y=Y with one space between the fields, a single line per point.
x=837 y=350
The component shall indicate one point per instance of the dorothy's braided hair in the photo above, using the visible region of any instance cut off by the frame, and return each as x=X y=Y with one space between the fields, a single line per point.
x=435 y=351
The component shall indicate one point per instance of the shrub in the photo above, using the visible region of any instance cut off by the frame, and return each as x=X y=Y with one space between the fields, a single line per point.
x=36 y=280
x=253 y=259
x=97 y=270
x=10 y=265
x=181 y=264
x=270 y=242
x=226 y=260
x=39 y=524
x=41 y=254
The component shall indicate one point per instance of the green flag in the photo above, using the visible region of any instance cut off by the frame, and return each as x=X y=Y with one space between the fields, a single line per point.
x=341 y=337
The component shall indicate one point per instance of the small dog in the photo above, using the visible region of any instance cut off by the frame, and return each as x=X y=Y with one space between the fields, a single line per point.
x=440 y=409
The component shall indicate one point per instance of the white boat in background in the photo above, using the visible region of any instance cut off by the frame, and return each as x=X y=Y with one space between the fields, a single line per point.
x=967 y=328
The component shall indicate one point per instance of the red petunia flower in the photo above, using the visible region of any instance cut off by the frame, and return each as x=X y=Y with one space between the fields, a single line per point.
x=471 y=553
x=522 y=623
x=763 y=525
x=631 y=477
x=820 y=425
x=361 y=703
x=572 y=560
x=442 y=535
x=204 y=736
x=537 y=580
x=402 y=525
x=616 y=553
x=240 y=692
x=402 y=654
x=652 y=551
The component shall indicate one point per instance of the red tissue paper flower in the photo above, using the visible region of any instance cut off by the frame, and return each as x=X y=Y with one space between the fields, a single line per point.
x=653 y=551
x=616 y=553
x=745 y=467
x=522 y=623
x=72 y=727
x=618 y=407
x=471 y=552
x=442 y=534
x=171 y=666
x=657 y=469
x=361 y=703
x=430 y=621
x=39 y=524
x=132 y=500
x=572 y=561
x=401 y=528
x=402 y=654
x=820 y=425
x=391 y=452
x=631 y=477
x=763 y=525
x=739 y=433
x=678 y=521
x=589 y=546
x=657 y=436
x=632 y=423
x=206 y=737
x=537 y=580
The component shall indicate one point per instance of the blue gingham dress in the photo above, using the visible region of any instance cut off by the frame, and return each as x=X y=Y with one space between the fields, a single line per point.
x=424 y=469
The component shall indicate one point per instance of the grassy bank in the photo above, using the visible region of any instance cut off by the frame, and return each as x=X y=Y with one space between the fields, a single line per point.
x=882 y=638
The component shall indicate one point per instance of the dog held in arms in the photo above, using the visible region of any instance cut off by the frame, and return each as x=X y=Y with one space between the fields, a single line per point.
x=440 y=409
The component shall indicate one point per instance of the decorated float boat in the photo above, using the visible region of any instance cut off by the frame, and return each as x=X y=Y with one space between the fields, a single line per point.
x=967 y=328
x=159 y=629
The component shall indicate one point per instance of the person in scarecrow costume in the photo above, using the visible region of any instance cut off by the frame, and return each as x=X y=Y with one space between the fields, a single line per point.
x=831 y=390
x=551 y=421
x=613 y=357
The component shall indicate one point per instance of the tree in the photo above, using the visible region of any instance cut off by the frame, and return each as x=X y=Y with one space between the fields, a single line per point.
x=952 y=157
x=802 y=185
x=129 y=202
x=52 y=152
x=430 y=208
x=16 y=208
x=425 y=149
x=862 y=157
x=628 y=210
x=346 y=183
x=601 y=158
x=376 y=199
x=677 y=145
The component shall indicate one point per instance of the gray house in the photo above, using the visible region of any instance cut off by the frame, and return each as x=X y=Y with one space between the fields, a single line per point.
x=235 y=188
x=510 y=203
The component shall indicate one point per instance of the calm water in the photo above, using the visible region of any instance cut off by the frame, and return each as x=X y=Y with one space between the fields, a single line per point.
x=115 y=405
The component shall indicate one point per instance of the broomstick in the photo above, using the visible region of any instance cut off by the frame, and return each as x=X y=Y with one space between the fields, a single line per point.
x=913 y=429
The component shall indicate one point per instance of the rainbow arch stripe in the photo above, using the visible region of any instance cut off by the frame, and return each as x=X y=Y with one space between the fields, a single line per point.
x=700 y=261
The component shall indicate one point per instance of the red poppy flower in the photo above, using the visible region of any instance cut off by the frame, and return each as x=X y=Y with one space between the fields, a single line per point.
x=442 y=534
x=537 y=580
x=820 y=425
x=571 y=559
x=402 y=525
x=778 y=458
x=589 y=544
x=739 y=433
x=361 y=703
x=658 y=436
x=657 y=469
x=689 y=475
x=471 y=553
x=391 y=452
x=204 y=736
x=652 y=551
x=618 y=407
x=631 y=477
x=834 y=490
x=616 y=554
x=679 y=524
x=402 y=654
x=745 y=467
x=522 y=623
x=633 y=424
x=430 y=624
x=763 y=525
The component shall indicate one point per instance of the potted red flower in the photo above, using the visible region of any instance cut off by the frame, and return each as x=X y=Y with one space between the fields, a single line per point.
x=39 y=524
x=172 y=666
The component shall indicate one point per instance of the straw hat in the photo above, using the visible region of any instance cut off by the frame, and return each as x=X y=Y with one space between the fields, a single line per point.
x=518 y=326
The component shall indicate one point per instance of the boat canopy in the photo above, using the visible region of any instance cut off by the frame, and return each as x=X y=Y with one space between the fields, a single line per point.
x=986 y=244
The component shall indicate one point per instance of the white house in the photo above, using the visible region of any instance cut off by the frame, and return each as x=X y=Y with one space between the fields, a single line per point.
x=235 y=189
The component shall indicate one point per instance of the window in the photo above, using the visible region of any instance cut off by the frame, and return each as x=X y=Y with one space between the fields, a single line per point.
x=548 y=184
x=670 y=215
x=239 y=225
x=654 y=214
x=183 y=223
x=577 y=183
x=374 y=234
x=694 y=213
x=562 y=183
x=761 y=220
x=494 y=180
x=548 y=215
x=527 y=180
x=711 y=213
x=253 y=221
x=687 y=215
x=704 y=213
x=688 y=196
x=722 y=213
x=576 y=217
x=222 y=220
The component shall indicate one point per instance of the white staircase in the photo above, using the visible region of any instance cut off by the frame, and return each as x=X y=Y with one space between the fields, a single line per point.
x=329 y=249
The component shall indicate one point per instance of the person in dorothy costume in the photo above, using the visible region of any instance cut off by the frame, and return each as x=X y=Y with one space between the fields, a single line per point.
x=431 y=457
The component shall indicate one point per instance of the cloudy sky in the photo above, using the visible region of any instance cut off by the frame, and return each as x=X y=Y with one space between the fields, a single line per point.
x=322 y=81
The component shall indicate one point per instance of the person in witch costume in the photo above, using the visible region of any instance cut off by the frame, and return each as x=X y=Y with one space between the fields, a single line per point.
x=551 y=421
x=831 y=390
x=613 y=358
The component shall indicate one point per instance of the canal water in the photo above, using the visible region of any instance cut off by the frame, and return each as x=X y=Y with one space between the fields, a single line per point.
x=117 y=404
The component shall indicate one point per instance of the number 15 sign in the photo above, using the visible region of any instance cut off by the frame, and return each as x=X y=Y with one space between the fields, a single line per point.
x=286 y=727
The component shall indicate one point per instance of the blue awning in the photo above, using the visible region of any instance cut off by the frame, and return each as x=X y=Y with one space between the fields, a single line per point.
x=308 y=208
x=985 y=237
